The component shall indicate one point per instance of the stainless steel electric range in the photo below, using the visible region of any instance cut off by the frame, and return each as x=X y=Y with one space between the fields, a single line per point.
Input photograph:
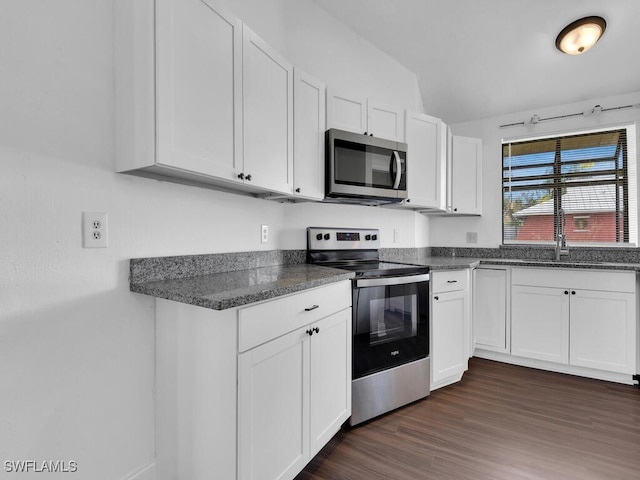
x=391 y=364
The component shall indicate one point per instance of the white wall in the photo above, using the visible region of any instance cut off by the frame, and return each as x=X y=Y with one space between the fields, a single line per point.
x=449 y=231
x=76 y=347
x=319 y=44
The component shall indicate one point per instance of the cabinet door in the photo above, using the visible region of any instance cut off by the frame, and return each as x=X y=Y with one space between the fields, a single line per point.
x=490 y=309
x=346 y=112
x=603 y=330
x=267 y=115
x=450 y=339
x=198 y=87
x=466 y=175
x=330 y=378
x=308 y=136
x=540 y=323
x=273 y=415
x=426 y=161
x=385 y=121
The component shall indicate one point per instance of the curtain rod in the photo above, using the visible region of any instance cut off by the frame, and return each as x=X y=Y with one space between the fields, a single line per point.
x=595 y=110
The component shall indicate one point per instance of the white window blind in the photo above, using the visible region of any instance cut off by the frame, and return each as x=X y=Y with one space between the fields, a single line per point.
x=586 y=181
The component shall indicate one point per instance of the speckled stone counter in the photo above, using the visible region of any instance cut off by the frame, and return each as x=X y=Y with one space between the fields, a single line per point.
x=562 y=264
x=220 y=291
x=425 y=257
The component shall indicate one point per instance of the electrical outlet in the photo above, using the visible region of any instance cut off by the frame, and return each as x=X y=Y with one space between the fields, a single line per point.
x=264 y=233
x=94 y=230
x=396 y=235
x=472 y=237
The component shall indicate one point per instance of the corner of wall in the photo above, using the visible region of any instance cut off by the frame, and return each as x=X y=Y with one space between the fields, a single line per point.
x=147 y=471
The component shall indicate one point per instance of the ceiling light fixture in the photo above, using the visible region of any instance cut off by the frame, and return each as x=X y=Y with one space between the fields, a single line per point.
x=581 y=35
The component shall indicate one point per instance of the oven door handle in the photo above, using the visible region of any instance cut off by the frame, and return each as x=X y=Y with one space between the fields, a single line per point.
x=386 y=281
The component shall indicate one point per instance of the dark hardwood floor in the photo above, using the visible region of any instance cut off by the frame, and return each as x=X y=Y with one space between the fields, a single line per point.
x=501 y=422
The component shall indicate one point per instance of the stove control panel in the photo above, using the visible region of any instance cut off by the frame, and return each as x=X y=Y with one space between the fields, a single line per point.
x=324 y=238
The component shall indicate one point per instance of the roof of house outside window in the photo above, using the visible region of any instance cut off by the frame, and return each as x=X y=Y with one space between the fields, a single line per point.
x=586 y=199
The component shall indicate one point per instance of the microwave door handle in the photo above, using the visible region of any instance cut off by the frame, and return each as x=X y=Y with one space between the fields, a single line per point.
x=396 y=157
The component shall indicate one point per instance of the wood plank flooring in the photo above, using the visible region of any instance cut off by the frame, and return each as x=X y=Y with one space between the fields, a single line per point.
x=501 y=422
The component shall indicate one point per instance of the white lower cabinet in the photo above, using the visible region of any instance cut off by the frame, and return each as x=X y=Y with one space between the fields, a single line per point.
x=602 y=331
x=273 y=408
x=491 y=308
x=575 y=317
x=252 y=392
x=330 y=384
x=449 y=326
x=540 y=323
x=294 y=393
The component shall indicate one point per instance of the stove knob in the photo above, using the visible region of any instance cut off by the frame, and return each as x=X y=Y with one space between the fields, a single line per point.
x=367 y=237
x=327 y=236
x=319 y=236
x=374 y=237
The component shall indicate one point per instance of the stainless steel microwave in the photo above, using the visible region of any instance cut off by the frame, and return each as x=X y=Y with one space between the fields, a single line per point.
x=365 y=168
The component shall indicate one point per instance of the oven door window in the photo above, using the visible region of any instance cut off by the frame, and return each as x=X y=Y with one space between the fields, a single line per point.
x=390 y=326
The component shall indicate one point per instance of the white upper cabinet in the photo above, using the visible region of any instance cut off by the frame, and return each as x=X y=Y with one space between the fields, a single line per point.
x=426 y=161
x=267 y=100
x=346 y=112
x=199 y=97
x=361 y=115
x=465 y=176
x=198 y=87
x=385 y=121
x=308 y=136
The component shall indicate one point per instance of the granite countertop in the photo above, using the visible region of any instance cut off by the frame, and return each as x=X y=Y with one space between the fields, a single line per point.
x=562 y=264
x=223 y=290
x=453 y=263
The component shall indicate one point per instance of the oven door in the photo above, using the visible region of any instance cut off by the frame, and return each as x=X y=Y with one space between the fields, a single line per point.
x=390 y=322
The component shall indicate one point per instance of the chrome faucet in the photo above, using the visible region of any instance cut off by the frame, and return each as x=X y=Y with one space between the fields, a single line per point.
x=561 y=239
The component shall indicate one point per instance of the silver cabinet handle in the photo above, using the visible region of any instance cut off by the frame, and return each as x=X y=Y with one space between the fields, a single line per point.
x=313 y=307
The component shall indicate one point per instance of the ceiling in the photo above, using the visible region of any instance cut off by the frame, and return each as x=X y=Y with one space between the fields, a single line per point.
x=481 y=58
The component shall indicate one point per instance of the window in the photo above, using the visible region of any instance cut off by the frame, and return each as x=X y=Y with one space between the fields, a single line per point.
x=583 y=182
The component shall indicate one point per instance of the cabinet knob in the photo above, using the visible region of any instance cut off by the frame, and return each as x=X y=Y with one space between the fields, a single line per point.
x=566 y=292
x=408 y=200
x=313 y=307
x=316 y=329
x=241 y=176
x=298 y=190
x=310 y=332
x=455 y=209
x=366 y=133
x=436 y=298
x=249 y=177
x=573 y=292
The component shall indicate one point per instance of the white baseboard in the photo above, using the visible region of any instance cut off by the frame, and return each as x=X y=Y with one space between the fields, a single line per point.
x=554 y=367
x=146 y=471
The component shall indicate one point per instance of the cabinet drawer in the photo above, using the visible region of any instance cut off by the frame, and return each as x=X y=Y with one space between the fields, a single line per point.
x=583 y=279
x=449 y=281
x=262 y=322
